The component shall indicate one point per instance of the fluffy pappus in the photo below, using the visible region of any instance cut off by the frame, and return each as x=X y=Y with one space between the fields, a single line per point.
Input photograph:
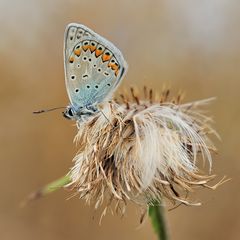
x=142 y=149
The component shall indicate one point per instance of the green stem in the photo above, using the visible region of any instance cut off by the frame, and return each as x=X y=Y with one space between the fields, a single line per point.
x=55 y=185
x=49 y=188
x=156 y=214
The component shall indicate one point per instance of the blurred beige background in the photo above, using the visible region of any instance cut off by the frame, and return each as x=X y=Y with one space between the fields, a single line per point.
x=190 y=45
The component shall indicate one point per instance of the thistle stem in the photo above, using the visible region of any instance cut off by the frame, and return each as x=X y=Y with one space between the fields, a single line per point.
x=157 y=216
x=49 y=188
x=55 y=185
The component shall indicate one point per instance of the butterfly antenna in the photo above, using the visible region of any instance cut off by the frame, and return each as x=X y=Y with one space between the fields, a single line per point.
x=47 y=110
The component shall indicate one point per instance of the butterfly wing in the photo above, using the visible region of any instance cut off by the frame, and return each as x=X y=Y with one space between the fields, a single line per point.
x=93 y=66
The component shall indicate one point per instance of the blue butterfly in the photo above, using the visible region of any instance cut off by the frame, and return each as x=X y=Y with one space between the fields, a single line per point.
x=94 y=67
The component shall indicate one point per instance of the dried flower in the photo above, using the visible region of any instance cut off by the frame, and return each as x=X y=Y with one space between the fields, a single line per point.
x=142 y=151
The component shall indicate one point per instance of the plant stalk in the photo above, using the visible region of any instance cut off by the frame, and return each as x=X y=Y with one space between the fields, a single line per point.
x=49 y=188
x=157 y=216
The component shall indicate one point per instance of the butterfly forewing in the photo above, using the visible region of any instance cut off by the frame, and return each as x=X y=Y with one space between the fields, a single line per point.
x=93 y=66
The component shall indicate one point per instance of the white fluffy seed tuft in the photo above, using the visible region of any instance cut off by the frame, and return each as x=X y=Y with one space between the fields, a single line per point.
x=142 y=150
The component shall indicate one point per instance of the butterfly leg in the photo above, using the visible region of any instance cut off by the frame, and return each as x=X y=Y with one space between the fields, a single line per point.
x=92 y=108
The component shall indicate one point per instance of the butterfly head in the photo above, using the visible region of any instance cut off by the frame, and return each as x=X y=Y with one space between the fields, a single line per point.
x=81 y=114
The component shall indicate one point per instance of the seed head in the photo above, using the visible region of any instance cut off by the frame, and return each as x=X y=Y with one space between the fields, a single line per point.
x=142 y=149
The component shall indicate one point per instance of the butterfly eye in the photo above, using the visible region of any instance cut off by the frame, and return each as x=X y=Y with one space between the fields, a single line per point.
x=96 y=86
x=106 y=73
x=73 y=77
x=76 y=90
x=88 y=86
x=70 y=112
x=109 y=84
x=84 y=58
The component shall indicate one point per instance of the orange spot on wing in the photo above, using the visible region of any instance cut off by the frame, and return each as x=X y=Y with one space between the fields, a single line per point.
x=98 y=52
x=86 y=47
x=116 y=72
x=77 y=52
x=71 y=59
x=113 y=66
x=105 y=57
x=92 y=48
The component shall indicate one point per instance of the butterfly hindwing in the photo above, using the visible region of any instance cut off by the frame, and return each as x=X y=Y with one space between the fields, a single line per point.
x=93 y=66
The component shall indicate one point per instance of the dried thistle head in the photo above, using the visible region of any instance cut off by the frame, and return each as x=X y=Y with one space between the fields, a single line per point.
x=142 y=150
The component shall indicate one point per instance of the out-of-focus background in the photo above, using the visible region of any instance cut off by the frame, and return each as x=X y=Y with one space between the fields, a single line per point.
x=189 y=45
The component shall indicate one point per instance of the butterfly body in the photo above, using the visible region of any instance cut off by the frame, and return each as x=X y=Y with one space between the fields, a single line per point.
x=93 y=69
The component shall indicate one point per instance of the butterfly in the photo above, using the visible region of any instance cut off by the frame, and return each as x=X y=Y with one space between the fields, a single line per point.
x=93 y=66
